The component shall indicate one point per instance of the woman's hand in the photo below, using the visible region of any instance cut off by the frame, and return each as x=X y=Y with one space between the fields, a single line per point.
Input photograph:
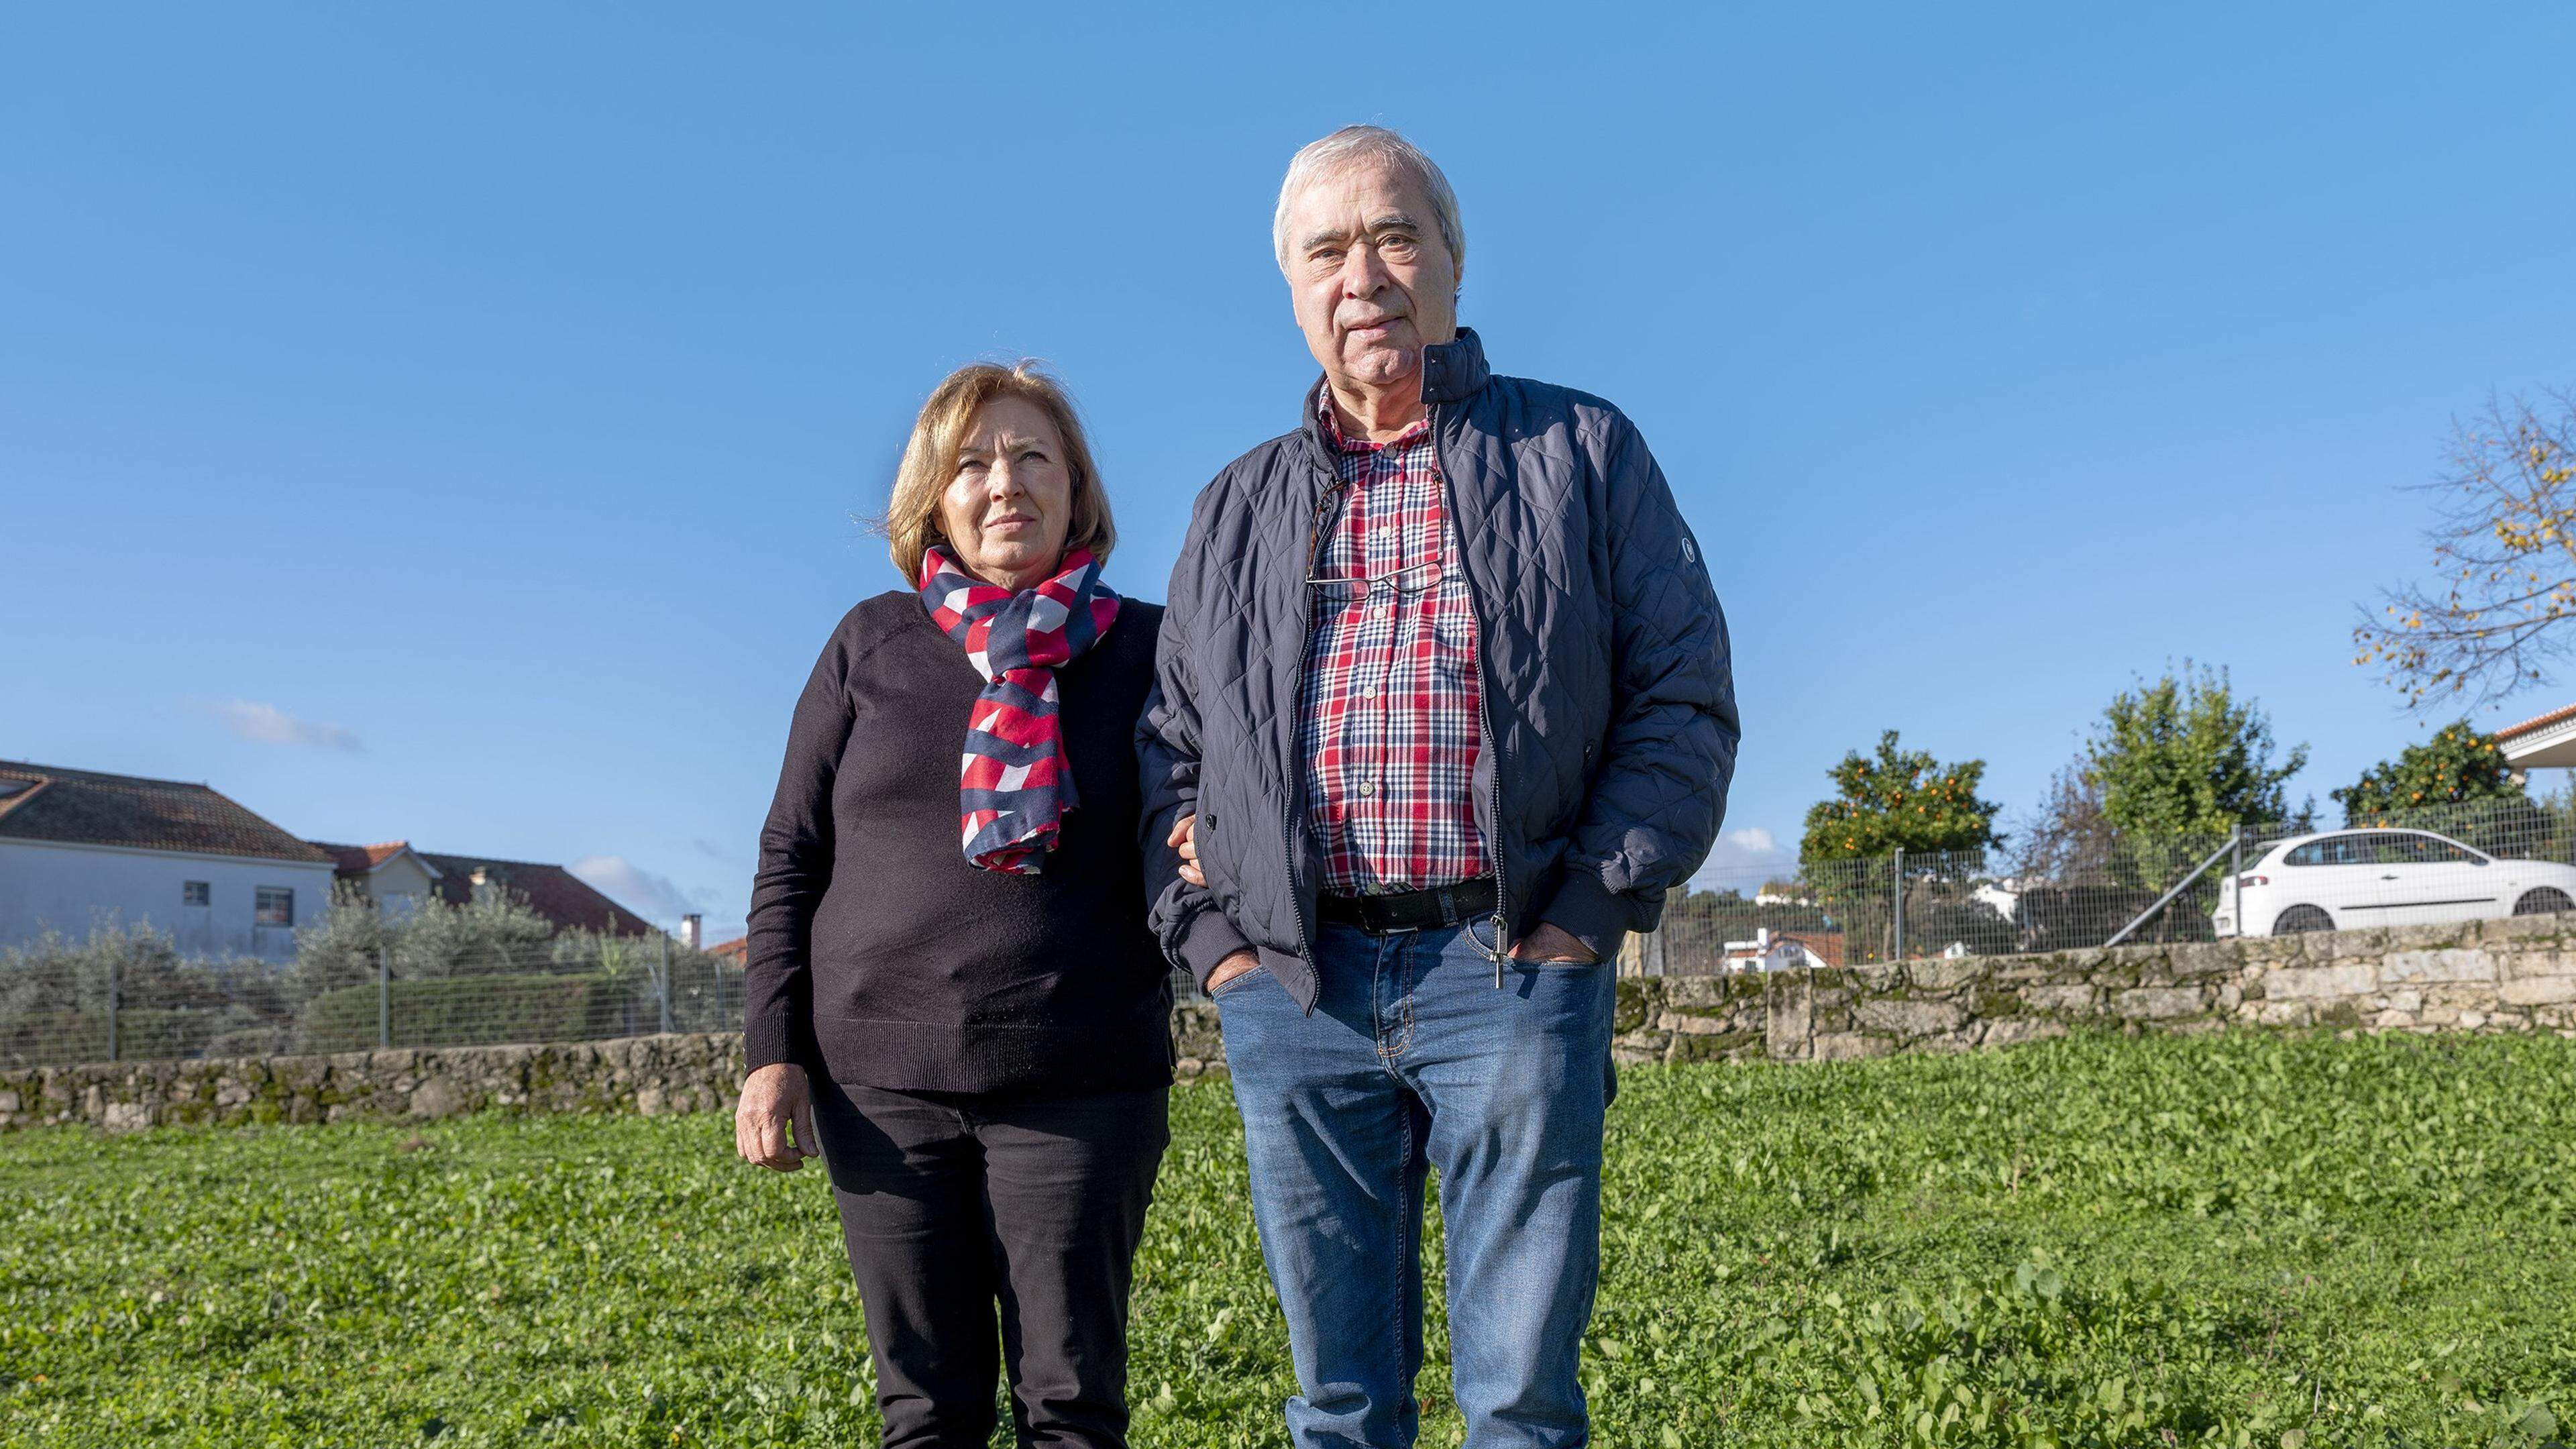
x=773 y=1098
x=1185 y=838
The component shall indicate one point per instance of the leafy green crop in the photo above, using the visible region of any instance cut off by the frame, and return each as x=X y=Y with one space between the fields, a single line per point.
x=2247 y=1240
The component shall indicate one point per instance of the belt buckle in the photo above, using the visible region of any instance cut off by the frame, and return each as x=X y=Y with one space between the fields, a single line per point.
x=1393 y=928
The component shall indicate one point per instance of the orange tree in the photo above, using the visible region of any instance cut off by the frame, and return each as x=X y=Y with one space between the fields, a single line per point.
x=2455 y=766
x=1897 y=799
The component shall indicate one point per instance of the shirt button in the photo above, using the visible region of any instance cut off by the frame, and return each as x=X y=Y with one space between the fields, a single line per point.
x=1368 y=691
x=1378 y=613
x=1368 y=787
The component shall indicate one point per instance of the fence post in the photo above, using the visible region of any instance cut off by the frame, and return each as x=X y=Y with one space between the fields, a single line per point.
x=2236 y=876
x=384 y=997
x=115 y=988
x=1899 y=886
x=662 y=983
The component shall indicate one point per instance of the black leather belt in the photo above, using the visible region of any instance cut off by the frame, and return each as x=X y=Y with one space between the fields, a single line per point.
x=1430 y=910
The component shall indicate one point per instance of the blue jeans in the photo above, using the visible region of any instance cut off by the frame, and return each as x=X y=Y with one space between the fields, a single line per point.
x=1413 y=1058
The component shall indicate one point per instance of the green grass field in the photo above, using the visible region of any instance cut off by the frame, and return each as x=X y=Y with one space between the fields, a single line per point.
x=2243 y=1240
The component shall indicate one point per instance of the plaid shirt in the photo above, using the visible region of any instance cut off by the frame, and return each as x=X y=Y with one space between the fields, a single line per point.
x=1388 y=723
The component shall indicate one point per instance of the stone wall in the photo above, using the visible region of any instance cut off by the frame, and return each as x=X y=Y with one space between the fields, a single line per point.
x=651 y=1075
x=647 y=1074
x=2505 y=975
x=1195 y=1041
x=2517 y=974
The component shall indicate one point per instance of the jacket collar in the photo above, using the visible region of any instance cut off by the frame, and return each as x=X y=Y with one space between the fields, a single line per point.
x=1452 y=372
x=1455 y=371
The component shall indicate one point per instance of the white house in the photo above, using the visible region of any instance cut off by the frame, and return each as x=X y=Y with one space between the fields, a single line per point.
x=393 y=875
x=80 y=849
x=1782 y=951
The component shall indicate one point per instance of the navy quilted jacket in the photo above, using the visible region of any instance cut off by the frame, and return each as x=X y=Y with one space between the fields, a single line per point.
x=1609 y=707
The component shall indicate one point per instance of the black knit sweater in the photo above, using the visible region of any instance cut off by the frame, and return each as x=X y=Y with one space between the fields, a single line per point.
x=879 y=955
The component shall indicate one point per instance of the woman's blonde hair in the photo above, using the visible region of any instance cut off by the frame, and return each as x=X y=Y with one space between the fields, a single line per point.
x=930 y=460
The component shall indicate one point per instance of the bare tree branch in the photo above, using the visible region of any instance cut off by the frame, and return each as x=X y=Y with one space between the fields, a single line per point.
x=2504 y=552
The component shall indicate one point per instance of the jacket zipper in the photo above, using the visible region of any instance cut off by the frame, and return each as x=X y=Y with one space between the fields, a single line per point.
x=1295 y=795
x=1484 y=720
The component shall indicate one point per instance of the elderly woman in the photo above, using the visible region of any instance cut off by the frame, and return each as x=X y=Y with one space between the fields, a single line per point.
x=976 y=1041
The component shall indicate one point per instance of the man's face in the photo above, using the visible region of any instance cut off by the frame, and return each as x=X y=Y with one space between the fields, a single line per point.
x=1372 y=281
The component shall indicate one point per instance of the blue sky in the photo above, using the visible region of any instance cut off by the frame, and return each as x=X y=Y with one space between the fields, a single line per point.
x=451 y=423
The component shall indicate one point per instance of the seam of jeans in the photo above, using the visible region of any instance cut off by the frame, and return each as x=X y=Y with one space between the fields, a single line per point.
x=1378 y=951
x=1403 y=949
x=1412 y=984
x=1408 y=1253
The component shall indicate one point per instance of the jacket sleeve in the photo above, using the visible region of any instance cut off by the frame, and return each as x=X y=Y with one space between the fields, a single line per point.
x=795 y=869
x=1660 y=792
x=1186 y=919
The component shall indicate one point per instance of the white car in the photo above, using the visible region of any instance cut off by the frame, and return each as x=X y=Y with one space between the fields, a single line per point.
x=2339 y=879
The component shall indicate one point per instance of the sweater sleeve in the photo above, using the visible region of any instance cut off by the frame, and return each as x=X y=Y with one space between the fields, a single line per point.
x=795 y=868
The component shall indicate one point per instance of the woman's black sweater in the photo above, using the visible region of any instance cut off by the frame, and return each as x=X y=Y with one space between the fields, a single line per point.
x=879 y=955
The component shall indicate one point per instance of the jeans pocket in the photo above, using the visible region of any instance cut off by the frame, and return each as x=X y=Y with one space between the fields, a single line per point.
x=1234 y=984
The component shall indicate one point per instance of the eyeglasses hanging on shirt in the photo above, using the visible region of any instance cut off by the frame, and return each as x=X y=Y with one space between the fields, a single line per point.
x=1405 y=582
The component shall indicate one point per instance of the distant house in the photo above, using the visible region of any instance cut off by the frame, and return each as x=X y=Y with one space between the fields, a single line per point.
x=1771 y=950
x=2003 y=897
x=80 y=848
x=397 y=878
x=393 y=875
x=736 y=952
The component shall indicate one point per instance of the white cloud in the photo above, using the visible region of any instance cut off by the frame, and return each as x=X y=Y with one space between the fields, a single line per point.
x=1742 y=860
x=654 y=897
x=269 y=725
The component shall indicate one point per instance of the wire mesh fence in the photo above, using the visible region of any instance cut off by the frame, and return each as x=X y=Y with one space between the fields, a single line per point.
x=2102 y=886
x=124 y=996
x=446 y=981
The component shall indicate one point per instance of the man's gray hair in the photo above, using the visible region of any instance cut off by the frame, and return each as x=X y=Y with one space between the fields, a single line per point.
x=1370 y=143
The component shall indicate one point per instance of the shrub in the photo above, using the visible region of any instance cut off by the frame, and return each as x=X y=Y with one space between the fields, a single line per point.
x=480 y=1010
x=54 y=997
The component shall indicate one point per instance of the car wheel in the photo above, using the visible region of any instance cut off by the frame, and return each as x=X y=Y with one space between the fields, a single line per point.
x=2302 y=918
x=2542 y=901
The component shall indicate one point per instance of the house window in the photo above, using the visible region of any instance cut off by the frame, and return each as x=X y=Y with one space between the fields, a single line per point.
x=275 y=907
x=195 y=893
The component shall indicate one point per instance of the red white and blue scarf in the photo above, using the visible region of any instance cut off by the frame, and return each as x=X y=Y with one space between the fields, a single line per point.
x=1013 y=784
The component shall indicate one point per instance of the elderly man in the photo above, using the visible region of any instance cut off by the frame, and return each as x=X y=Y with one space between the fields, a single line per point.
x=1444 y=709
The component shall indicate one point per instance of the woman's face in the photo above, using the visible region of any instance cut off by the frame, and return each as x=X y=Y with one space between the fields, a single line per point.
x=1008 y=508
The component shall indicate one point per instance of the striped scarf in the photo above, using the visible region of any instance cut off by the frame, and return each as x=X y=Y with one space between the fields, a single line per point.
x=1013 y=786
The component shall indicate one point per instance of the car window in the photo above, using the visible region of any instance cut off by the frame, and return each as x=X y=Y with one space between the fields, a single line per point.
x=2408 y=848
x=2331 y=850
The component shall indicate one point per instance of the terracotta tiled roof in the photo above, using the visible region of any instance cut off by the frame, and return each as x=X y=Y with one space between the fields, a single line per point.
x=2537 y=723
x=357 y=860
x=87 y=807
x=1828 y=945
x=736 y=951
x=550 y=890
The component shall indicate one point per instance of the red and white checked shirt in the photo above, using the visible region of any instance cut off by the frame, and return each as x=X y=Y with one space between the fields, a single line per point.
x=1388 y=708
